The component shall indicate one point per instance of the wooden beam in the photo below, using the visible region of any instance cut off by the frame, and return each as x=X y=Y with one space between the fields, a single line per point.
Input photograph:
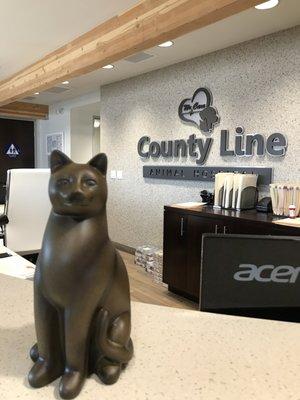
x=25 y=110
x=147 y=24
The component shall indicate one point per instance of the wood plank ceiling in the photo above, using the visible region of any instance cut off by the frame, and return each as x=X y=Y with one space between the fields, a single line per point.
x=145 y=25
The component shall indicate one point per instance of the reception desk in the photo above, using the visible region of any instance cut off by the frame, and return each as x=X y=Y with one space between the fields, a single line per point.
x=179 y=354
x=183 y=231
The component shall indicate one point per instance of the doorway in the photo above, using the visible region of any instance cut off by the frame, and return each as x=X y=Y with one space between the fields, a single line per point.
x=16 y=148
x=85 y=132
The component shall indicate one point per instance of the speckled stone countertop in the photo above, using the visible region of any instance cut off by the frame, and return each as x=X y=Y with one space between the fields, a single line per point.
x=179 y=354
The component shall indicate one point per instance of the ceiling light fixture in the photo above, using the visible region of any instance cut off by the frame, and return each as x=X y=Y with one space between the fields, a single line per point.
x=169 y=43
x=36 y=93
x=65 y=82
x=267 y=5
x=108 y=66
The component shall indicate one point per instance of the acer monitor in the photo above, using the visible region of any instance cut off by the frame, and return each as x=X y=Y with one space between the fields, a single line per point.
x=251 y=275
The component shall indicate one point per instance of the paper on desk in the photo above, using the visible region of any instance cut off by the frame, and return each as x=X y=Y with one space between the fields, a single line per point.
x=189 y=204
x=288 y=221
x=17 y=267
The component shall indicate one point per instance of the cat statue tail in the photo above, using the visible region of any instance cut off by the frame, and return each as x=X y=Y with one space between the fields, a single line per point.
x=112 y=350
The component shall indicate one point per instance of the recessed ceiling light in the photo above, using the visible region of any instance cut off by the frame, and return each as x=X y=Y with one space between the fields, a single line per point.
x=36 y=93
x=65 y=82
x=169 y=43
x=267 y=4
x=108 y=66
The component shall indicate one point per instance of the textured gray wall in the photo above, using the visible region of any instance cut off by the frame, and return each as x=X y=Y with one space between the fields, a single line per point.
x=254 y=84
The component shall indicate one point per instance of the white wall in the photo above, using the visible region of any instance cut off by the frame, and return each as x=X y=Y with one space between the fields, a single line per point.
x=254 y=84
x=59 y=121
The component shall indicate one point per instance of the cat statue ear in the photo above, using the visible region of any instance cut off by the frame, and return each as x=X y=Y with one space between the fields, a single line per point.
x=58 y=160
x=99 y=162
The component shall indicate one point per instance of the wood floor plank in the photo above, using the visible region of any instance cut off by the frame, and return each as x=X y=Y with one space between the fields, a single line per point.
x=143 y=289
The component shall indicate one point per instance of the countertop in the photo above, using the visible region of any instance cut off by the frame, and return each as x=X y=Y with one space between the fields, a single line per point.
x=248 y=215
x=179 y=354
x=15 y=265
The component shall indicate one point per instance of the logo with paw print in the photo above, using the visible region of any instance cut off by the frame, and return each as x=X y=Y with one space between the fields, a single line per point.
x=198 y=111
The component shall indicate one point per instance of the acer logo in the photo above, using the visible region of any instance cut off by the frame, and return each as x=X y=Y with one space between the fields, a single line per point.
x=267 y=273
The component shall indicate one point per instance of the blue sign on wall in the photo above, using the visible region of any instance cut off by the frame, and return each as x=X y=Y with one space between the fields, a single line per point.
x=12 y=150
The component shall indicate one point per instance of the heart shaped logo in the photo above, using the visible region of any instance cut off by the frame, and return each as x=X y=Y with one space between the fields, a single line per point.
x=199 y=111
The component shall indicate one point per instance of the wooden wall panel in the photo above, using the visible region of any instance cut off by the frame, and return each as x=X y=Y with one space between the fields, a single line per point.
x=25 y=110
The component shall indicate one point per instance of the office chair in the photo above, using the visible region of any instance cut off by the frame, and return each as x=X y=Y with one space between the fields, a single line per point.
x=2 y=193
x=26 y=210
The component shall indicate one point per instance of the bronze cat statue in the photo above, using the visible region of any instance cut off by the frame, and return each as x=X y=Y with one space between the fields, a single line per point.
x=81 y=288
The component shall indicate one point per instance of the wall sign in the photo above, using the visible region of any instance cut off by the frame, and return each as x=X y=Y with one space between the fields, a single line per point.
x=12 y=150
x=203 y=174
x=198 y=111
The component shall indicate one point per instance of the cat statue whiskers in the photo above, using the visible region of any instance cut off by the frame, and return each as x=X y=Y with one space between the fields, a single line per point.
x=81 y=288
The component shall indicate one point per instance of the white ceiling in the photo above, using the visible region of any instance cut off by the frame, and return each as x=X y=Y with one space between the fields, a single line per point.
x=40 y=27
x=30 y=29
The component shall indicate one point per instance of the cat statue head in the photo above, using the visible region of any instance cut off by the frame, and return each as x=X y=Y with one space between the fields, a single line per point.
x=77 y=190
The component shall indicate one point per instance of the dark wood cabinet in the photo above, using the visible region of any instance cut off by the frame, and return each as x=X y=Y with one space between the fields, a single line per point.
x=175 y=238
x=196 y=227
x=183 y=230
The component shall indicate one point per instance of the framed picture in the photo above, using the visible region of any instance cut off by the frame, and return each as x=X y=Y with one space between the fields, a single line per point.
x=54 y=141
